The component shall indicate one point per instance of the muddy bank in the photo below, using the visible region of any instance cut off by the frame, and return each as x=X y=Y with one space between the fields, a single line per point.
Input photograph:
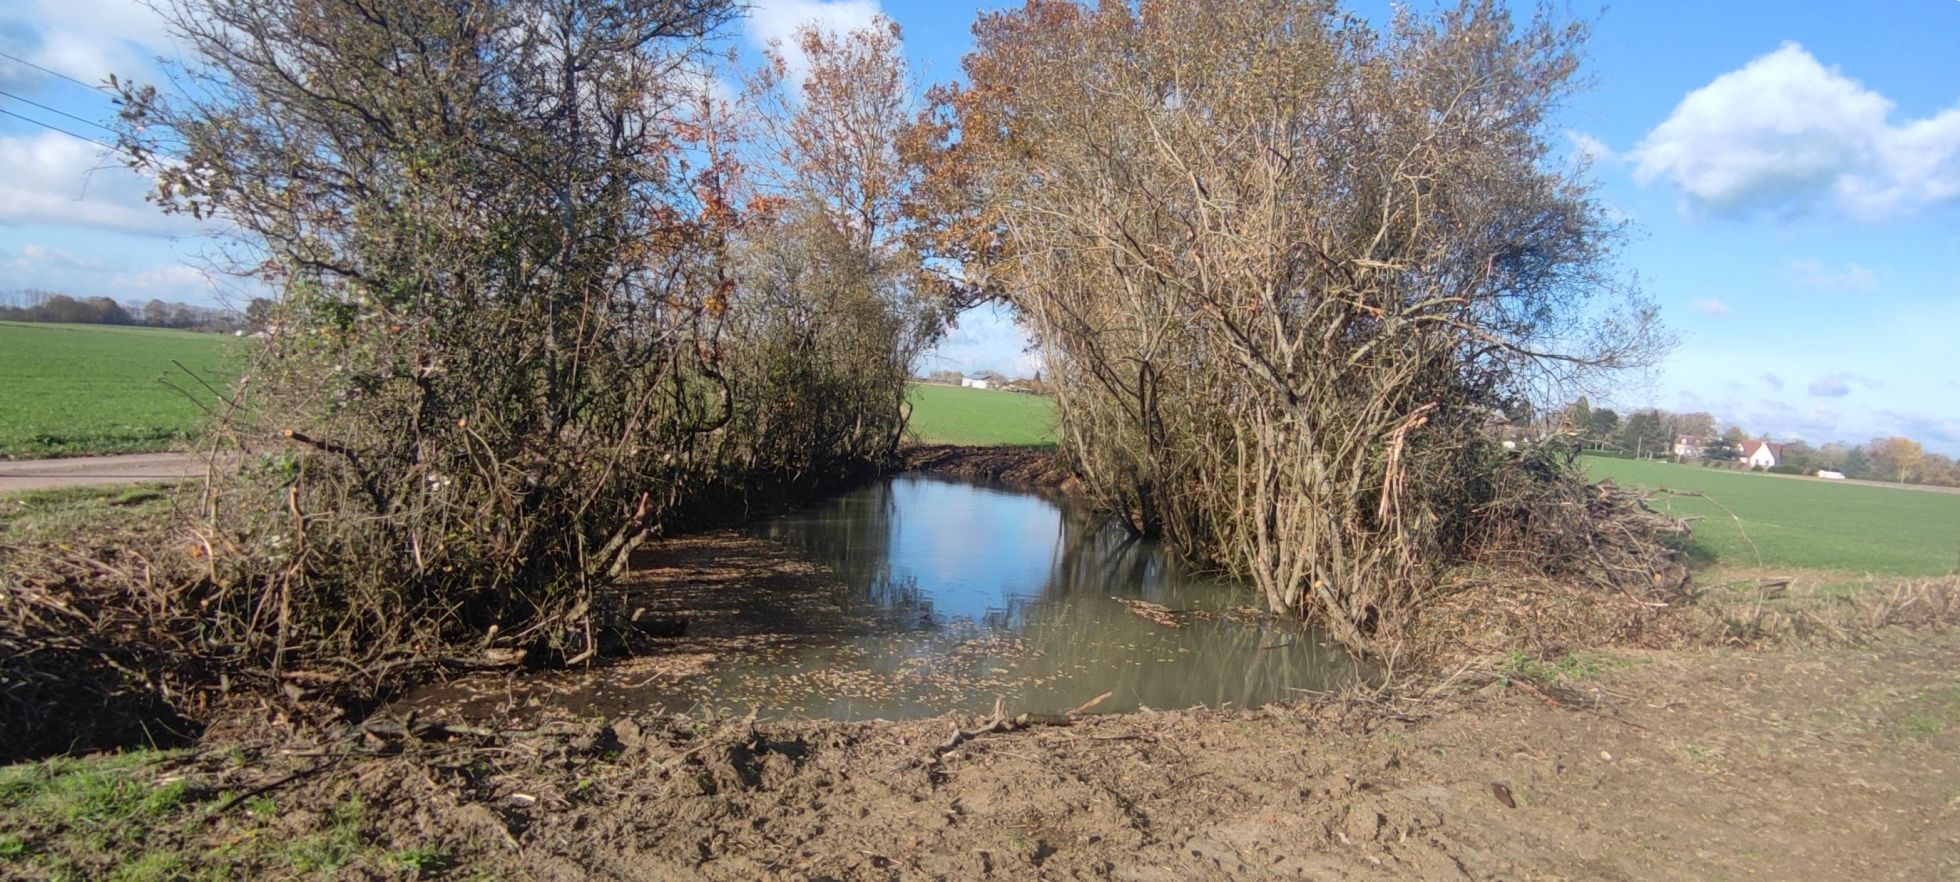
x=1031 y=468
x=1662 y=765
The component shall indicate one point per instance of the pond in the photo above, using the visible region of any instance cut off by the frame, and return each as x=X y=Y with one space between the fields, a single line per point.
x=939 y=595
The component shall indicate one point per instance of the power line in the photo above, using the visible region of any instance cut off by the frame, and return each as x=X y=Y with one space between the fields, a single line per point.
x=79 y=119
x=97 y=87
x=59 y=129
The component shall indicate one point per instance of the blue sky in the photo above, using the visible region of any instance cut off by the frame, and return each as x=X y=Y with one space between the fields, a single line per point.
x=1791 y=171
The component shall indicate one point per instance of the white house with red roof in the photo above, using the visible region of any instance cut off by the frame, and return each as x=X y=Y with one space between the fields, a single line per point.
x=1761 y=453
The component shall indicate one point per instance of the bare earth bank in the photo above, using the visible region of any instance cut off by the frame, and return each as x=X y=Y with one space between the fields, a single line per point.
x=1685 y=765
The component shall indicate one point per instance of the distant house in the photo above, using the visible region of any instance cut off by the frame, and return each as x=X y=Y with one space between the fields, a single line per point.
x=976 y=382
x=1689 y=446
x=1761 y=453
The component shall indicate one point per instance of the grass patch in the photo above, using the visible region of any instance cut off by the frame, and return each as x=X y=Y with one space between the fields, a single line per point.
x=343 y=840
x=39 y=516
x=981 y=417
x=92 y=389
x=99 y=817
x=425 y=861
x=1800 y=522
x=147 y=816
x=1573 y=667
x=1938 y=709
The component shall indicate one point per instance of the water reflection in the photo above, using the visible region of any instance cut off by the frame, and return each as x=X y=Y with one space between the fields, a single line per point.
x=991 y=592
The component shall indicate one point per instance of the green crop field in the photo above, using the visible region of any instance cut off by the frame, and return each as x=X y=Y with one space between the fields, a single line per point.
x=1804 y=522
x=80 y=389
x=67 y=390
x=984 y=417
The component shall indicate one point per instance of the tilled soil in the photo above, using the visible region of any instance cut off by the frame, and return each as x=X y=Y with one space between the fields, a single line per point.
x=1817 y=764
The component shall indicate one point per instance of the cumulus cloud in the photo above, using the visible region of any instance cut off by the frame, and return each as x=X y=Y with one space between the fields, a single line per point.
x=55 y=269
x=1848 y=279
x=1936 y=431
x=84 y=39
x=1839 y=385
x=1774 y=381
x=1786 y=135
x=1780 y=419
x=770 y=21
x=1830 y=387
x=52 y=178
x=1712 y=307
x=985 y=338
x=33 y=255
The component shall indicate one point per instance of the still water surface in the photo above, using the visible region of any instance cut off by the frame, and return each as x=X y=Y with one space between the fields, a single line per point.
x=983 y=592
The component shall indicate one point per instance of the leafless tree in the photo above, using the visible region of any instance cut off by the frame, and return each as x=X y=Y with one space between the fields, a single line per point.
x=1285 y=268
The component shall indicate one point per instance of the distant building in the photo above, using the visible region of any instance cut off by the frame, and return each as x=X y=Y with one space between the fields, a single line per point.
x=1689 y=446
x=976 y=382
x=1761 y=453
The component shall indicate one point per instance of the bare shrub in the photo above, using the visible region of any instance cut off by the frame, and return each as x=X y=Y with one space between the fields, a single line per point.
x=529 y=317
x=1284 y=270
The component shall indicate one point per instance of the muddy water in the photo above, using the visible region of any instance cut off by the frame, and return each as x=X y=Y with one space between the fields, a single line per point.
x=917 y=596
x=984 y=592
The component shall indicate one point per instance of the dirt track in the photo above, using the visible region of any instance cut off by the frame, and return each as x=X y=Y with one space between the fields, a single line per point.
x=49 y=474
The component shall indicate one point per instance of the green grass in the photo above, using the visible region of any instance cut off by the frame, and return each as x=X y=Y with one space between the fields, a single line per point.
x=1576 y=667
x=88 y=389
x=145 y=816
x=77 y=818
x=55 y=515
x=1803 y=522
x=93 y=389
x=981 y=417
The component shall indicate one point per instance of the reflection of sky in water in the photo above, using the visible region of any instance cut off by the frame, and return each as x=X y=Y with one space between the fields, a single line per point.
x=950 y=595
x=994 y=592
x=954 y=545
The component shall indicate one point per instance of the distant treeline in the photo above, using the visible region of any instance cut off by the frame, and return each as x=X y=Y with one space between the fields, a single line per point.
x=1652 y=433
x=34 y=305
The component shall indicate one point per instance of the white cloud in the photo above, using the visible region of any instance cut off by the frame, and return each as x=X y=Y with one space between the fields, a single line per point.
x=1936 y=432
x=32 y=255
x=52 y=178
x=773 y=20
x=84 y=39
x=82 y=275
x=1712 y=307
x=985 y=338
x=1786 y=135
x=1591 y=149
x=1849 y=278
x=1830 y=387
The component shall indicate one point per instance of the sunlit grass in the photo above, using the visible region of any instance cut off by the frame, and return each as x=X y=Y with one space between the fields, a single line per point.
x=1803 y=522
x=981 y=417
x=90 y=389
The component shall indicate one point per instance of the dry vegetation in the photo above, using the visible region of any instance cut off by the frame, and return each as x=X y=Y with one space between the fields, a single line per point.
x=546 y=297
x=1285 y=269
x=546 y=300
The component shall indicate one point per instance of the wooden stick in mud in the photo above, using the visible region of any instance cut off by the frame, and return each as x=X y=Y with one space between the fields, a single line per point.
x=1090 y=703
x=1001 y=724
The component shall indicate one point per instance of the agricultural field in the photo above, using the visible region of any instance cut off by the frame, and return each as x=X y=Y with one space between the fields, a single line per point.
x=71 y=390
x=981 y=417
x=74 y=390
x=1805 y=523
